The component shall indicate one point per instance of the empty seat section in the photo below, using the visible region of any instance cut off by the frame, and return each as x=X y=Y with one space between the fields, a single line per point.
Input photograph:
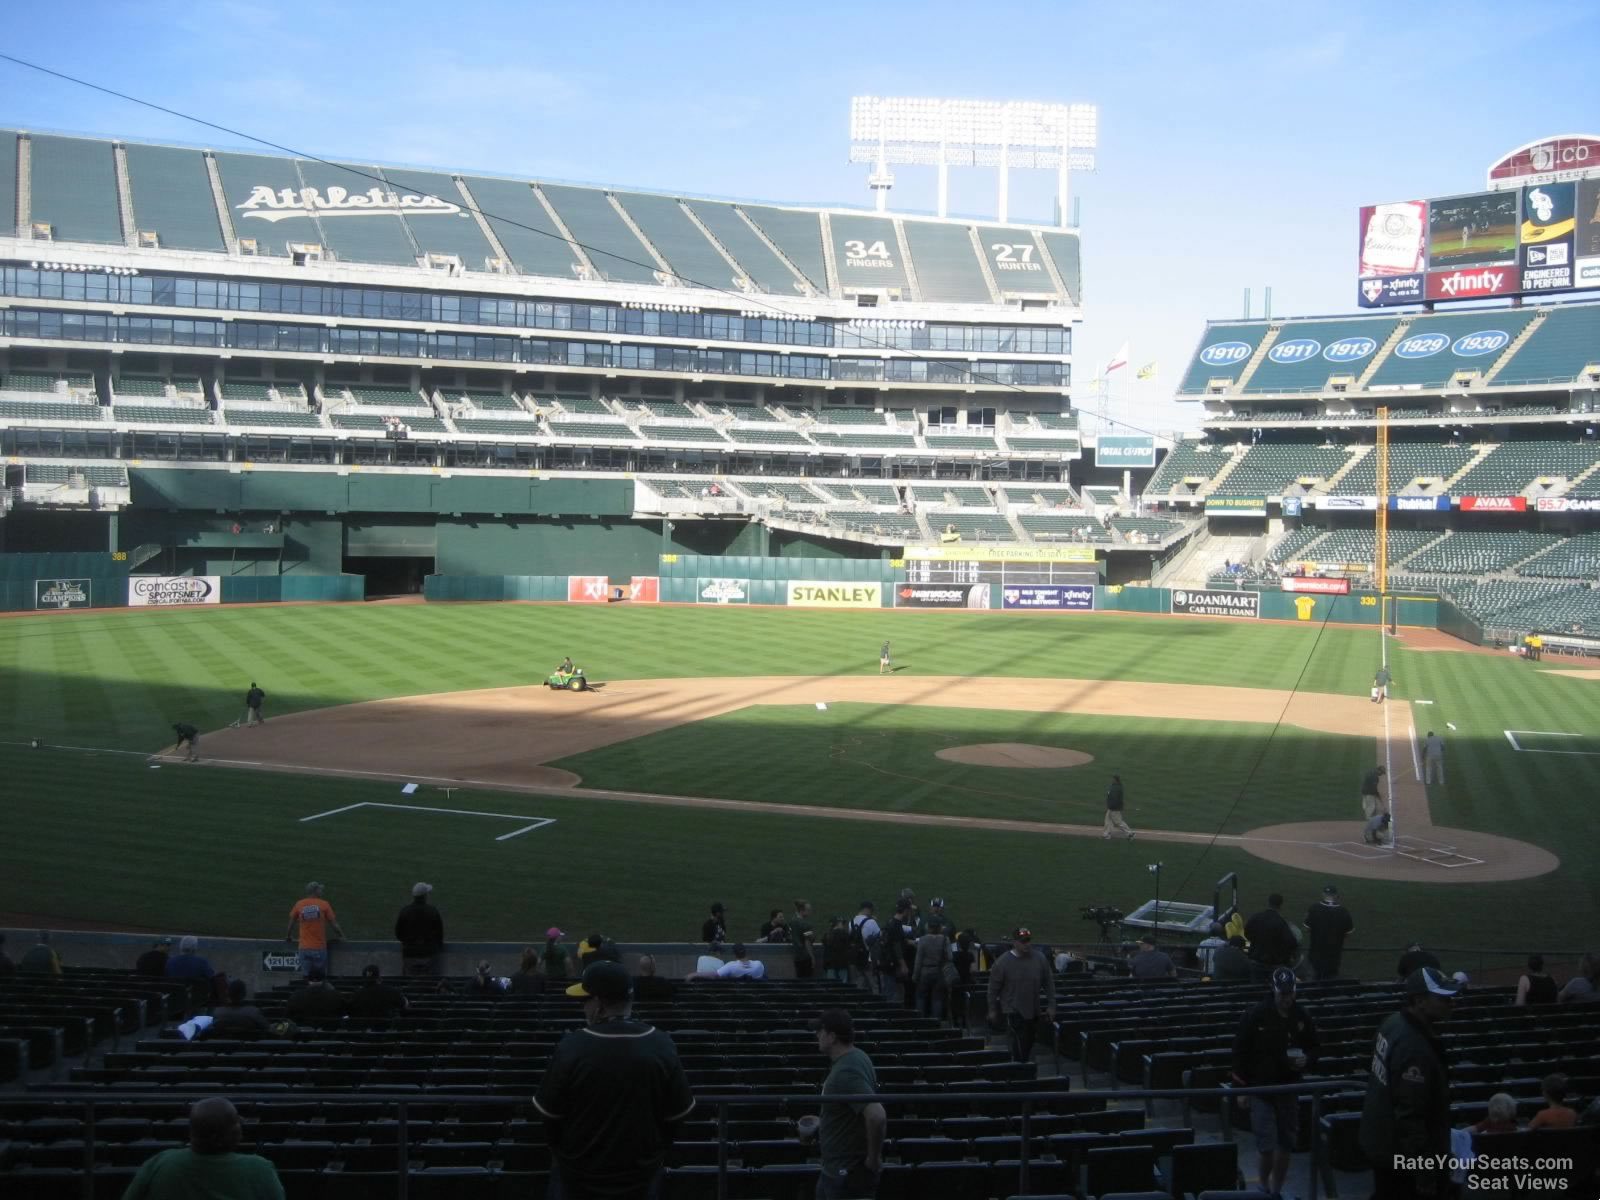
x=1062 y=527
x=1187 y=463
x=1408 y=462
x=1268 y=469
x=755 y=258
x=500 y=426
x=442 y=227
x=74 y=189
x=1567 y=341
x=273 y=417
x=959 y=441
x=38 y=410
x=171 y=192
x=866 y=253
x=681 y=433
x=1479 y=552
x=613 y=248
x=1047 y=445
x=1434 y=348
x=62 y=473
x=387 y=397
x=523 y=227
x=1512 y=466
x=864 y=440
x=1576 y=557
x=882 y=524
x=794 y=493
x=947 y=267
x=746 y=412
x=798 y=235
x=579 y=430
x=167 y=415
x=1361 y=545
x=1224 y=352
x=678 y=240
x=1573 y=610
x=1152 y=527
x=8 y=181
x=374 y=236
x=973 y=527
x=576 y=403
x=1291 y=544
x=484 y=401
x=260 y=191
x=1065 y=252
x=243 y=389
x=849 y=416
x=138 y=385
x=1015 y=260
x=668 y=408
x=1306 y=353
x=773 y=436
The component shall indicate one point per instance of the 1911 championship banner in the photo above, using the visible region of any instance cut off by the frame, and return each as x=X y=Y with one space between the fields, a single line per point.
x=166 y=591
x=1217 y=604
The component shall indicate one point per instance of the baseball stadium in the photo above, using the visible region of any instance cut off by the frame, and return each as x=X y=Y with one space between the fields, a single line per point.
x=846 y=601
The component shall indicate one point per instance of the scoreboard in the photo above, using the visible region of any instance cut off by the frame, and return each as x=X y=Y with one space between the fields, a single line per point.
x=959 y=563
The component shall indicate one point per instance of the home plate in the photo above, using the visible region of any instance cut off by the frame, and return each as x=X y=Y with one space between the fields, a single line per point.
x=821 y=707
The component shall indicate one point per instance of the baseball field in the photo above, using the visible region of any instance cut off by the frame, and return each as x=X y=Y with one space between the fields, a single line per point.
x=755 y=755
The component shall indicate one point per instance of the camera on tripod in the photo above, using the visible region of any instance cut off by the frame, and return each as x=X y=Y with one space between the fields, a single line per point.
x=1105 y=915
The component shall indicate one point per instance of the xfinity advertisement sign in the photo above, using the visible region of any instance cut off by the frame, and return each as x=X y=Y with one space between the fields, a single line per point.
x=1054 y=597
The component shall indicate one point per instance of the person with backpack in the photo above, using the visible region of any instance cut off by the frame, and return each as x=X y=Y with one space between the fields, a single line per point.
x=865 y=934
x=836 y=951
x=893 y=969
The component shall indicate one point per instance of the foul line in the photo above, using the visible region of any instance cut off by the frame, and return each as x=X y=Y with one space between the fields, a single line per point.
x=1416 y=759
x=1388 y=741
x=538 y=822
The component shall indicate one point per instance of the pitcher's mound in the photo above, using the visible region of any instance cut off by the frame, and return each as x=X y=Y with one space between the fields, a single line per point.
x=1014 y=754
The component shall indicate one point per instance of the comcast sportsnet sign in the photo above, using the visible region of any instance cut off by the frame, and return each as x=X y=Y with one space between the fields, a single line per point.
x=173 y=591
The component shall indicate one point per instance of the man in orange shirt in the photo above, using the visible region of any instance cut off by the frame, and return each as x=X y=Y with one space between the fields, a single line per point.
x=1559 y=1114
x=312 y=918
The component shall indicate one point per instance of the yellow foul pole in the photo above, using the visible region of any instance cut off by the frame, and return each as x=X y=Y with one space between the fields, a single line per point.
x=1382 y=452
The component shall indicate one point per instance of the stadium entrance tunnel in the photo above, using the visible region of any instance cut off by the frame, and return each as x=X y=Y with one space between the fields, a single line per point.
x=391 y=575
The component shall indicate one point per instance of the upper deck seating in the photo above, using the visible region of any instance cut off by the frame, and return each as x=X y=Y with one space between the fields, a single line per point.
x=1567 y=341
x=1268 y=469
x=1408 y=462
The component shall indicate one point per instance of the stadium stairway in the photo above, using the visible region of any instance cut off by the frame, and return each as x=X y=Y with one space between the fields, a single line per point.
x=1517 y=343
x=1579 y=482
x=1211 y=553
x=1377 y=360
x=1215 y=485
x=1359 y=454
x=1270 y=336
x=1483 y=452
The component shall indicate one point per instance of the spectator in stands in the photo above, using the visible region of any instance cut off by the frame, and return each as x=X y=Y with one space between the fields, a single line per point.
x=7 y=967
x=647 y=985
x=742 y=966
x=595 y=947
x=1414 y=957
x=485 y=984
x=1232 y=964
x=928 y=972
x=317 y=1003
x=714 y=930
x=529 y=979
x=1328 y=922
x=375 y=1000
x=1276 y=1042
x=555 y=954
x=420 y=931
x=1205 y=953
x=865 y=934
x=894 y=972
x=1556 y=1114
x=1405 y=1121
x=1272 y=941
x=775 y=928
x=312 y=918
x=154 y=960
x=1115 y=804
x=851 y=1132
x=836 y=951
x=1015 y=981
x=1536 y=987
x=802 y=936
x=210 y=1165
x=1582 y=988
x=1150 y=963
x=41 y=958
x=613 y=1094
x=936 y=921
x=964 y=955
x=236 y=1019
x=188 y=963
x=1502 y=1116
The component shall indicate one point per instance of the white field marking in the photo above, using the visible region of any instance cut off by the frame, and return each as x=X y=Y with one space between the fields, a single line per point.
x=537 y=822
x=1548 y=733
x=44 y=745
x=1416 y=760
x=1388 y=762
x=1422 y=702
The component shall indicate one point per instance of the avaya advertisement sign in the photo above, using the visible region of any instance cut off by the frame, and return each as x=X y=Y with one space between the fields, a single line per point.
x=1494 y=504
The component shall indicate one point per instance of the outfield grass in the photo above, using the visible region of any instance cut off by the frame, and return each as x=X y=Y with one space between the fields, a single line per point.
x=182 y=849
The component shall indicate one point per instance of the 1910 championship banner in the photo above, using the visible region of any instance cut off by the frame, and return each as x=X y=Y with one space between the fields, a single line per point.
x=1217 y=604
x=166 y=591
x=62 y=593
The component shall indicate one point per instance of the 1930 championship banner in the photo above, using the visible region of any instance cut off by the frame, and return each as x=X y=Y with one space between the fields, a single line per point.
x=167 y=591
x=1217 y=604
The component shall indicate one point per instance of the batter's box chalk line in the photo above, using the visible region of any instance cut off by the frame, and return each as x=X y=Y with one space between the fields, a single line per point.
x=534 y=822
x=1511 y=736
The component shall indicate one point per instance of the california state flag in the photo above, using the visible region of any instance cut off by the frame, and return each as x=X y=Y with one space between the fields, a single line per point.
x=1119 y=359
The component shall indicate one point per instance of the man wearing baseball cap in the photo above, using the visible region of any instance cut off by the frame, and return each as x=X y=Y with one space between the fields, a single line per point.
x=1276 y=1042
x=1015 y=981
x=1328 y=922
x=1405 y=1122
x=420 y=931
x=613 y=1094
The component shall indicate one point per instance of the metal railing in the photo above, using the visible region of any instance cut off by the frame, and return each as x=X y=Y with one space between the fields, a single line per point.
x=1027 y=1104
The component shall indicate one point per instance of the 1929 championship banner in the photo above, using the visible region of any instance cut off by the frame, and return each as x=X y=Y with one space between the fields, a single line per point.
x=166 y=591
x=1217 y=604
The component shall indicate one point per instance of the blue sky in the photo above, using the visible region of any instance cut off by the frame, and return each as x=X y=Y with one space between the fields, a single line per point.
x=1237 y=140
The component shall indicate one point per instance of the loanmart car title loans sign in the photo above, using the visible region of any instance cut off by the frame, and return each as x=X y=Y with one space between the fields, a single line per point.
x=1217 y=604
x=166 y=591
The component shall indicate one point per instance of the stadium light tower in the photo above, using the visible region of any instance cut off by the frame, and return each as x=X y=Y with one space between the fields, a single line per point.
x=973 y=133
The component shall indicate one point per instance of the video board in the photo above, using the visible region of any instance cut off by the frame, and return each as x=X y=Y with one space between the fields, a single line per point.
x=1533 y=240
